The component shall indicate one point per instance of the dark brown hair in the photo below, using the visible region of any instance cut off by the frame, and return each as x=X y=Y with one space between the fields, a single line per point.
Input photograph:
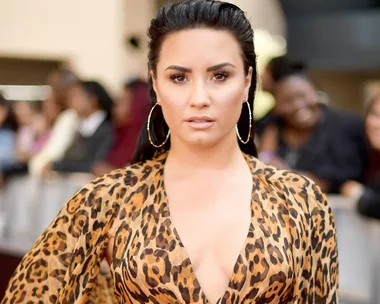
x=192 y=14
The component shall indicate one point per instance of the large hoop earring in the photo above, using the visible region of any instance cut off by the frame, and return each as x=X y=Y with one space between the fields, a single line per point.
x=148 y=129
x=250 y=126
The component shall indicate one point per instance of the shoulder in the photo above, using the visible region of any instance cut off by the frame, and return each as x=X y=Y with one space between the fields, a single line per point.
x=68 y=115
x=299 y=192
x=345 y=119
x=119 y=184
x=66 y=118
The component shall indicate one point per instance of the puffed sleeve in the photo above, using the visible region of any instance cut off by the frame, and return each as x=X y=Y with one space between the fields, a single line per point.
x=63 y=264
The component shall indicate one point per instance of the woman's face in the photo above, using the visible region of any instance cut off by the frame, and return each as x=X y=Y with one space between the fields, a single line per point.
x=373 y=125
x=121 y=110
x=51 y=109
x=3 y=114
x=201 y=85
x=297 y=102
x=267 y=80
x=24 y=113
x=80 y=101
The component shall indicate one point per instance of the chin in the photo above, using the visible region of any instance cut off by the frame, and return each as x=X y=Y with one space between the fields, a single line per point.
x=201 y=141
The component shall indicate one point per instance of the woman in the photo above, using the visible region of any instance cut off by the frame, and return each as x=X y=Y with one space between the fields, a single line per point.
x=94 y=136
x=196 y=218
x=368 y=195
x=8 y=128
x=325 y=144
x=41 y=124
x=63 y=131
x=129 y=116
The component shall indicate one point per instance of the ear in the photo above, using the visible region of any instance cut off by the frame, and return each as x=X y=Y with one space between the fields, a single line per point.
x=248 y=80
x=154 y=82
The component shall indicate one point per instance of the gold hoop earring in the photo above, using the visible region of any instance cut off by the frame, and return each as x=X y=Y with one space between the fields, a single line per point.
x=148 y=129
x=250 y=126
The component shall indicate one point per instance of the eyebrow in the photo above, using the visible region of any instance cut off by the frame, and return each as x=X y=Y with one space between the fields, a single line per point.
x=187 y=70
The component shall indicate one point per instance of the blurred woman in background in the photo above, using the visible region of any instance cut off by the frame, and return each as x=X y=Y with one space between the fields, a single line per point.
x=128 y=115
x=38 y=127
x=310 y=137
x=368 y=195
x=63 y=131
x=8 y=128
x=94 y=135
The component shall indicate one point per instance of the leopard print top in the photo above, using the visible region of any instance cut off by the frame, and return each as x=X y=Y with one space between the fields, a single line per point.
x=289 y=256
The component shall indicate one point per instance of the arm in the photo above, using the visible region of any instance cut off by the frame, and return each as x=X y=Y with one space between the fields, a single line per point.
x=324 y=184
x=60 y=139
x=63 y=265
x=324 y=251
x=317 y=271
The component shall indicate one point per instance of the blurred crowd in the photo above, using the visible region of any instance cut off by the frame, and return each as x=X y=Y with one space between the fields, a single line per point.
x=340 y=151
x=78 y=128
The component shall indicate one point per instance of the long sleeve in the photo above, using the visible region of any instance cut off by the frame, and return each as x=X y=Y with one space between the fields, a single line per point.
x=60 y=139
x=63 y=265
x=316 y=253
x=324 y=251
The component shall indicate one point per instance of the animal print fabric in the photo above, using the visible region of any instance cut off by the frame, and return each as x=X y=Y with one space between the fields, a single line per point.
x=289 y=256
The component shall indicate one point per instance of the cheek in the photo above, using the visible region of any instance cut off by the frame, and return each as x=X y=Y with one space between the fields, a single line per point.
x=372 y=124
x=229 y=106
x=229 y=95
x=173 y=107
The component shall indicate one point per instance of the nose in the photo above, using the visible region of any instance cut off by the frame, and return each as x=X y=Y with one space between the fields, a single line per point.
x=199 y=95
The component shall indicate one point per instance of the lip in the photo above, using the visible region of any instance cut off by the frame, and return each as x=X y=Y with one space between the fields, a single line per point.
x=200 y=122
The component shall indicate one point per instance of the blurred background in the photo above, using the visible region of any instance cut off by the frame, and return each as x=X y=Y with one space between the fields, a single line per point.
x=73 y=97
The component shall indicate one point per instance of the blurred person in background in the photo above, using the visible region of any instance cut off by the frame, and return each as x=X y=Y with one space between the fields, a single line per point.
x=40 y=124
x=8 y=129
x=27 y=113
x=65 y=126
x=94 y=134
x=247 y=232
x=272 y=70
x=129 y=116
x=310 y=137
x=367 y=195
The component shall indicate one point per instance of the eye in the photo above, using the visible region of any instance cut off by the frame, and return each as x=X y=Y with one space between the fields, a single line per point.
x=178 y=78
x=220 y=76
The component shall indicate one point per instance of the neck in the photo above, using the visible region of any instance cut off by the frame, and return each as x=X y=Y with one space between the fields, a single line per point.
x=223 y=155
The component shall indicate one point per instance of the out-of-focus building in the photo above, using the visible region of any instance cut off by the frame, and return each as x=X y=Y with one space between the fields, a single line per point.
x=339 y=41
x=97 y=39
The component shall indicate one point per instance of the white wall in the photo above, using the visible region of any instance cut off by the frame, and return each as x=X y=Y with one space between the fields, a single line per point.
x=264 y=14
x=139 y=15
x=89 y=34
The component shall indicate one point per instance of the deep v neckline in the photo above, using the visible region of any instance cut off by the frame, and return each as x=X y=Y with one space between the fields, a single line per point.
x=181 y=244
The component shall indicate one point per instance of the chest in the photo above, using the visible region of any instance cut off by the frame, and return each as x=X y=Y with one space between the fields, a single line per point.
x=212 y=219
x=186 y=254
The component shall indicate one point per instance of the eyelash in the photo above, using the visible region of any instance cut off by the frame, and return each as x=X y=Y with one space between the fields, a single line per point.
x=223 y=73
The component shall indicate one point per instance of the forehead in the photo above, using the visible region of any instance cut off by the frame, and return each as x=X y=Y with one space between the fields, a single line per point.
x=376 y=106
x=294 y=84
x=198 y=47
